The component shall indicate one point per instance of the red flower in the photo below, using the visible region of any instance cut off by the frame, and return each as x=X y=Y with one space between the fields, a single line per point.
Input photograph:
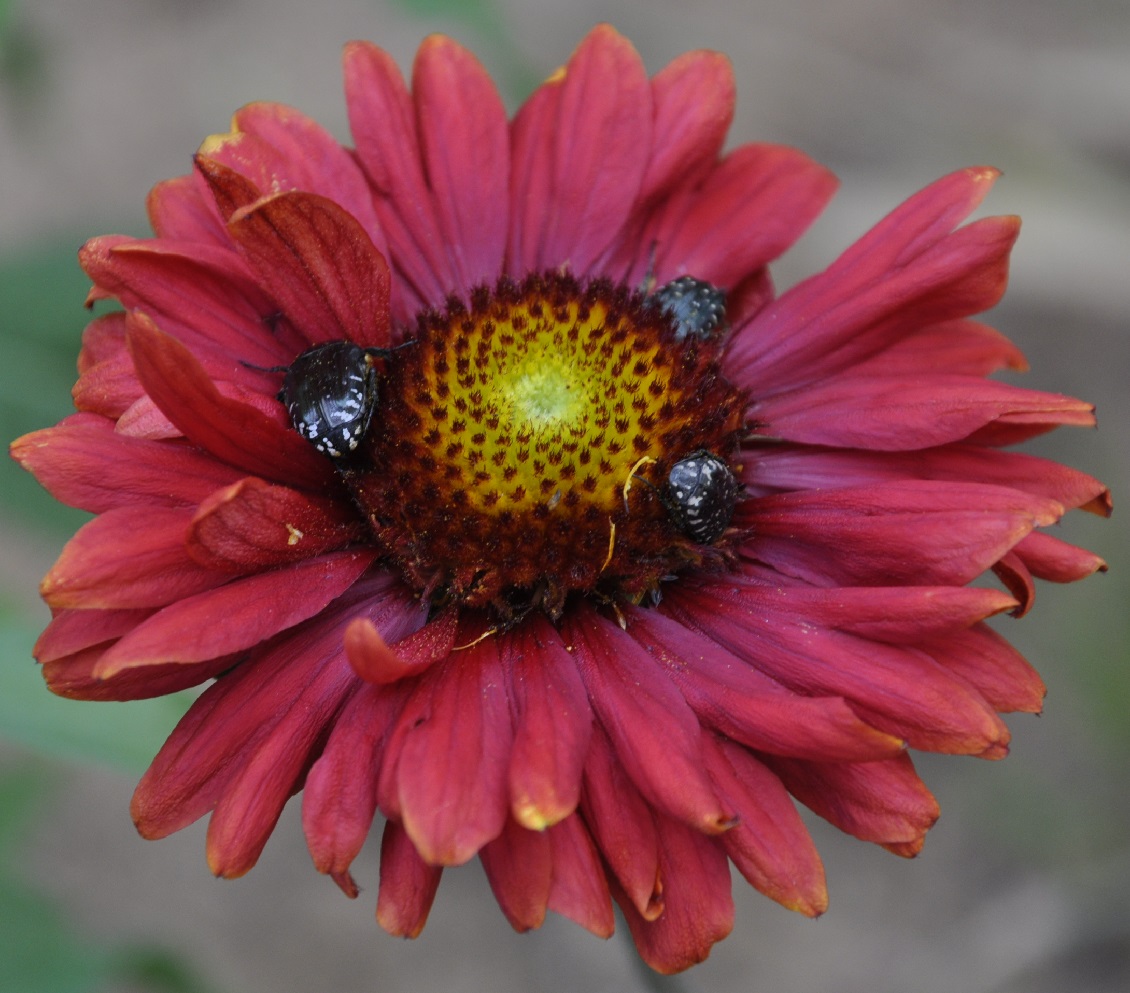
x=496 y=621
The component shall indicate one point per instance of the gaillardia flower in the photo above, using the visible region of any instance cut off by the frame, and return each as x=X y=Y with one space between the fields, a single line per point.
x=472 y=515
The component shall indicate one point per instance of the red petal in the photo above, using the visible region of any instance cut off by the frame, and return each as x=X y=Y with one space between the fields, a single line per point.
x=382 y=119
x=72 y=676
x=466 y=152
x=597 y=146
x=519 y=866
x=910 y=532
x=904 y=413
x=531 y=151
x=987 y=661
x=375 y=662
x=884 y=802
x=754 y=205
x=786 y=467
x=622 y=825
x=72 y=631
x=1012 y=571
x=579 y=889
x=319 y=265
x=769 y=845
x=699 y=910
x=253 y=525
x=408 y=885
x=202 y=294
x=655 y=733
x=451 y=762
x=339 y=799
x=253 y=609
x=893 y=281
x=745 y=704
x=126 y=558
x=693 y=97
x=553 y=724
x=1055 y=560
x=234 y=432
x=178 y=212
x=86 y=464
x=962 y=347
x=895 y=689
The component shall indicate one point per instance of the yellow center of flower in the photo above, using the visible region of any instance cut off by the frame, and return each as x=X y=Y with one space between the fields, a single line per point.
x=519 y=448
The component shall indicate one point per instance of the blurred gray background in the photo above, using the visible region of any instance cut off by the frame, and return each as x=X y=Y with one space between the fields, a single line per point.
x=1022 y=887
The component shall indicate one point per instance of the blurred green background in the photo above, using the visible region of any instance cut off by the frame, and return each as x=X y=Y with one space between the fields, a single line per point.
x=1023 y=884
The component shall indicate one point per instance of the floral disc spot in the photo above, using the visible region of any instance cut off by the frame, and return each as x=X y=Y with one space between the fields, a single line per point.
x=519 y=448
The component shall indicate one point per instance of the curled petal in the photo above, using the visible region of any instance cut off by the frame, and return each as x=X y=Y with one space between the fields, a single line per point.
x=253 y=525
x=1055 y=560
x=319 y=265
x=74 y=677
x=378 y=663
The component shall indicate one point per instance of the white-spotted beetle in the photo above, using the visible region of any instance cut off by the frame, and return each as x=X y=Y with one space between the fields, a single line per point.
x=700 y=496
x=330 y=392
x=697 y=308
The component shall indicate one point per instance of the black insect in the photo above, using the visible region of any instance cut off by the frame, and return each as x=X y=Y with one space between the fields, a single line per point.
x=330 y=392
x=700 y=496
x=698 y=308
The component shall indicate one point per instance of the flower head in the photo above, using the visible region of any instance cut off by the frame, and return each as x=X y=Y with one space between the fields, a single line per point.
x=475 y=518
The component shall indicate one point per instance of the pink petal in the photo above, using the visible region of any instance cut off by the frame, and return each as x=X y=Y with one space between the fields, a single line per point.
x=884 y=802
x=911 y=532
x=655 y=733
x=553 y=724
x=233 y=432
x=408 y=885
x=531 y=151
x=72 y=631
x=466 y=153
x=253 y=525
x=320 y=266
x=519 y=866
x=453 y=755
x=745 y=704
x=902 y=413
x=698 y=911
x=127 y=558
x=770 y=845
x=85 y=464
x=623 y=826
x=1013 y=573
x=253 y=609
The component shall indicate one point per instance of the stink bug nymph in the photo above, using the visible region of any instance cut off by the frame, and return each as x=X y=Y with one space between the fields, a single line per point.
x=330 y=392
x=700 y=496
x=697 y=308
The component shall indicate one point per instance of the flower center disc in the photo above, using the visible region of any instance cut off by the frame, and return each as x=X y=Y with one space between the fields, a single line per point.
x=519 y=449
